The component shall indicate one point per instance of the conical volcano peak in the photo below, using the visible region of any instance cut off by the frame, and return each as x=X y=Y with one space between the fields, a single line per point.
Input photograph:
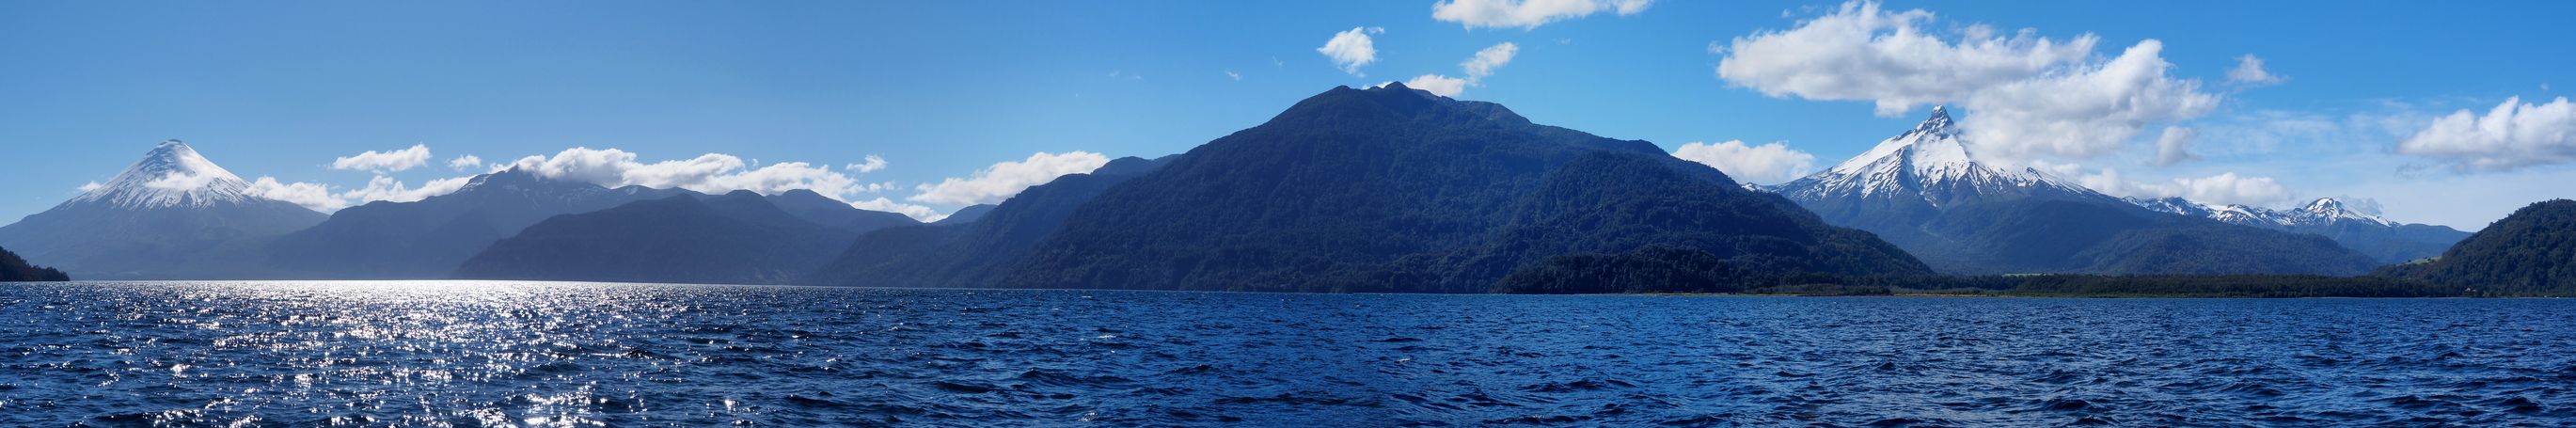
x=170 y=175
x=1939 y=123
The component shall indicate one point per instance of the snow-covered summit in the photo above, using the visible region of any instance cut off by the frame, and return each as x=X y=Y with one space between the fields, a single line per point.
x=171 y=175
x=2322 y=211
x=1931 y=161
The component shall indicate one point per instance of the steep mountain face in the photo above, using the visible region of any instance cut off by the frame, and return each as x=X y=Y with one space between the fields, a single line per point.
x=1394 y=189
x=967 y=215
x=172 y=215
x=2384 y=240
x=1924 y=191
x=15 y=269
x=971 y=253
x=2532 y=251
x=429 y=238
x=740 y=237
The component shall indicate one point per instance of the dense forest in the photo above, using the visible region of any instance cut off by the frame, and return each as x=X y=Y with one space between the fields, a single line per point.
x=2532 y=252
x=14 y=269
x=740 y=237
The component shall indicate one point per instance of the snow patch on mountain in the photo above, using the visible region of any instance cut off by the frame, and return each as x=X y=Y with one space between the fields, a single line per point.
x=2322 y=211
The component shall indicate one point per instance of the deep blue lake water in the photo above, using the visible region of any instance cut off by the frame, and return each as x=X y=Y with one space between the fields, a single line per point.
x=558 y=354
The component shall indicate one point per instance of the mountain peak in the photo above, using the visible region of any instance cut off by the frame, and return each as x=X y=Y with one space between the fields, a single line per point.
x=170 y=175
x=1931 y=161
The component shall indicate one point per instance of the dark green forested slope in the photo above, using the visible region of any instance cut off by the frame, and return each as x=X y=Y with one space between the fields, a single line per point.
x=739 y=237
x=1394 y=189
x=14 y=269
x=2532 y=251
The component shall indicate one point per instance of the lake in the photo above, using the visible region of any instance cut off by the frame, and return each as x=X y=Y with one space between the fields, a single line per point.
x=571 y=354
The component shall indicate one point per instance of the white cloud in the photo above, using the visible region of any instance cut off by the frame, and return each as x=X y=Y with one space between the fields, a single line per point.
x=92 y=186
x=2174 y=146
x=874 y=163
x=396 y=160
x=383 y=188
x=2026 y=96
x=312 y=196
x=466 y=162
x=708 y=173
x=2510 y=136
x=2223 y=188
x=1767 y=164
x=917 y=212
x=1438 y=85
x=1860 y=53
x=1527 y=14
x=1477 y=67
x=1002 y=180
x=1352 y=49
x=1230 y=74
x=2249 y=71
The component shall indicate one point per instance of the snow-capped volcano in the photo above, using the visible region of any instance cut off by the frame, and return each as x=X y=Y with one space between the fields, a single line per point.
x=1930 y=162
x=1926 y=192
x=171 y=175
x=172 y=215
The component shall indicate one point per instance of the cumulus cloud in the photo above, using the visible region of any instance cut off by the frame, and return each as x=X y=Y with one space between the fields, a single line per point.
x=1527 y=14
x=1861 y=53
x=1002 y=180
x=1477 y=68
x=466 y=162
x=1768 y=163
x=396 y=160
x=873 y=163
x=383 y=188
x=1438 y=85
x=2223 y=188
x=917 y=212
x=1352 y=49
x=2026 y=96
x=2512 y=135
x=2175 y=146
x=708 y=173
x=312 y=196
x=92 y=186
x=2249 y=71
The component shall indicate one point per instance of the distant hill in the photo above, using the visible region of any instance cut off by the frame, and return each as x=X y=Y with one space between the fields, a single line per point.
x=2385 y=240
x=1387 y=189
x=14 y=269
x=172 y=215
x=2532 y=251
x=429 y=238
x=739 y=237
x=1924 y=191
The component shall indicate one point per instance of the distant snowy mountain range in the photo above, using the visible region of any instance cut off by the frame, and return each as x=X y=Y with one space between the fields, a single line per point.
x=2387 y=240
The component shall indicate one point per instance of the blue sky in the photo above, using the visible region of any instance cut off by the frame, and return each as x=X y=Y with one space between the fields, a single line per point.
x=945 y=90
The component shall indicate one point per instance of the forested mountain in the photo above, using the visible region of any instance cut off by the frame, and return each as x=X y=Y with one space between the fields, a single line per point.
x=1924 y=191
x=967 y=215
x=2532 y=251
x=172 y=215
x=823 y=210
x=2385 y=240
x=429 y=238
x=1389 y=189
x=14 y=269
x=740 y=237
